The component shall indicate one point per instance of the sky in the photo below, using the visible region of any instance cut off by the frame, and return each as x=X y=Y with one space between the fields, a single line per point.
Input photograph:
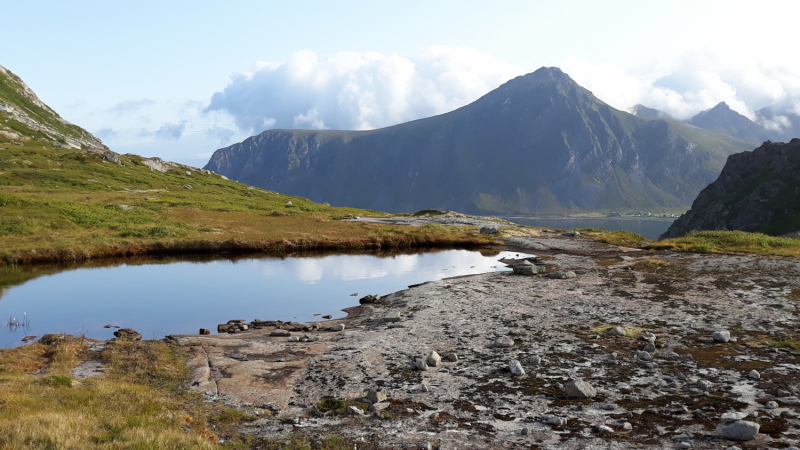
x=180 y=79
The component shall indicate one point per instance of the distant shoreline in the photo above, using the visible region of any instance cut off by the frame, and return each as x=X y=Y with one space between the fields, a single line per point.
x=662 y=219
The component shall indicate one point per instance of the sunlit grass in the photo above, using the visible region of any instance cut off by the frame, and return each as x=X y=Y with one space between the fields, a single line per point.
x=730 y=242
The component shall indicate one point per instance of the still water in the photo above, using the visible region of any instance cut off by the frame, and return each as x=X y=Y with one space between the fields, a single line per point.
x=650 y=229
x=180 y=297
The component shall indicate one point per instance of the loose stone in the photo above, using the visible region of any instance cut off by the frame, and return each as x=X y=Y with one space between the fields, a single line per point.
x=338 y=327
x=354 y=410
x=604 y=429
x=280 y=333
x=504 y=342
x=516 y=368
x=420 y=365
x=616 y=331
x=741 y=430
x=376 y=395
x=451 y=356
x=579 y=389
x=627 y=426
x=771 y=405
x=533 y=360
x=754 y=374
x=433 y=359
x=721 y=336
x=556 y=421
x=644 y=356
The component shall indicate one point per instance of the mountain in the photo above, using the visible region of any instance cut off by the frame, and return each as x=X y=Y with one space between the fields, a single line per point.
x=538 y=144
x=722 y=119
x=756 y=191
x=24 y=117
x=643 y=111
x=781 y=121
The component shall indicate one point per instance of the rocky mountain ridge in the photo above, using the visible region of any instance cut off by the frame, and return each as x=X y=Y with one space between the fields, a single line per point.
x=25 y=116
x=756 y=191
x=538 y=144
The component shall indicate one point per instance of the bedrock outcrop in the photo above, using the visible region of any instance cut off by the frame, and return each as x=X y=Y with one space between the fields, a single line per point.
x=756 y=191
x=579 y=386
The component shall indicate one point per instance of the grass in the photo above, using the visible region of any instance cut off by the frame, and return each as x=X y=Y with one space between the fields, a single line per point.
x=141 y=402
x=622 y=238
x=786 y=343
x=730 y=242
x=61 y=204
x=339 y=407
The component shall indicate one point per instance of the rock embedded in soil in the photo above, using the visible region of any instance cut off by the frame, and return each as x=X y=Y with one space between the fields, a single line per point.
x=616 y=331
x=561 y=275
x=721 y=336
x=504 y=342
x=420 y=365
x=516 y=368
x=280 y=333
x=533 y=360
x=128 y=334
x=754 y=374
x=579 y=389
x=376 y=395
x=338 y=327
x=489 y=230
x=740 y=430
x=433 y=359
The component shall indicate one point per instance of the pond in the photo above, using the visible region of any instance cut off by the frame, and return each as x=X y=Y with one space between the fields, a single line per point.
x=649 y=228
x=161 y=297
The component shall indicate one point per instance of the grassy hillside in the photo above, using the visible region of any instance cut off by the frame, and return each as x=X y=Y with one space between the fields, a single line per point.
x=58 y=204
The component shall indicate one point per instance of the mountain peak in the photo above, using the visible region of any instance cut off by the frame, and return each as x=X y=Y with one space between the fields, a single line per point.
x=722 y=119
x=722 y=106
x=644 y=111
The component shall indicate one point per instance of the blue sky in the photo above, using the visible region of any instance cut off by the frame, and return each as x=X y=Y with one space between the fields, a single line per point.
x=143 y=75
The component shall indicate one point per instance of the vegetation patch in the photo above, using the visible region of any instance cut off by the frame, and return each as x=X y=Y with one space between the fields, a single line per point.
x=724 y=241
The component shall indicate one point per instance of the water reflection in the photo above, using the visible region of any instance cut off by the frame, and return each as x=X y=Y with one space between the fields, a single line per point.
x=168 y=295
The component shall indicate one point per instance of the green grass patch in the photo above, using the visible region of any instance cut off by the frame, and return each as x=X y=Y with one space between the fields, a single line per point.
x=730 y=242
x=786 y=343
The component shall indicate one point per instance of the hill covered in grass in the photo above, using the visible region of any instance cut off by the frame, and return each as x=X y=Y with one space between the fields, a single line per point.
x=64 y=195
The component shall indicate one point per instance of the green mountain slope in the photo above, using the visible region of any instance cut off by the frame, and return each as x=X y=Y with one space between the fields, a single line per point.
x=23 y=117
x=538 y=144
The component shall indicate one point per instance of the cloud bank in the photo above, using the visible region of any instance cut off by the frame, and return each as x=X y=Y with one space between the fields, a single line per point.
x=358 y=90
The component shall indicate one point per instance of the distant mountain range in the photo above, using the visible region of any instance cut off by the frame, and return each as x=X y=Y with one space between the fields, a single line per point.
x=778 y=123
x=538 y=144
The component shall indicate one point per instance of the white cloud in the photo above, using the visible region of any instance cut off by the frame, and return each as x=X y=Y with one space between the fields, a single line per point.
x=358 y=90
x=692 y=83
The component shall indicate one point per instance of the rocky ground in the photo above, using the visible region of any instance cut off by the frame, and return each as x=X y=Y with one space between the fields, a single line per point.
x=622 y=356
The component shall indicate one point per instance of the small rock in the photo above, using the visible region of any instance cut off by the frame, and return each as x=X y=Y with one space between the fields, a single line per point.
x=604 y=429
x=28 y=338
x=289 y=202
x=579 y=389
x=354 y=410
x=327 y=316
x=451 y=356
x=188 y=187
x=377 y=407
x=651 y=365
x=280 y=333
x=533 y=360
x=489 y=230
x=561 y=275
x=733 y=416
x=425 y=446
x=703 y=385
x=420 y=365
x=741 y=430
x=721 y=336
x=644 y=356
x=239 y=357
x=204 y=332
x=526 y=268
x=393 y=316
x=649 y=348
x=754 y=374
x=556 y=421
x=504 y=342
x=293 y=339
x=516 y=368
x=771 y=405
x=571 y=233
x=433 y=359
x=616 y=331
x=684 y=444
x=627 y=426
x=376 y=395
x=337 y=327
x=525 y=431
x=425 y=388
x=128 y=333
x=369 y=299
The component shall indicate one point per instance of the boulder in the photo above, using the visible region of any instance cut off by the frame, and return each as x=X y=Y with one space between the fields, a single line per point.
x=491 y=229
x=516 y=368
x=571 y=233
x=560 y=275
x=420 y=365
x=369 y=299
x=378 y=407
x=504 y=342
x=433 y=359
x=280 y=333
x=204 y=331
x=740 y=430
x=579 y=389
x=376 y=395
x=128 y=334
x=338 y=327
x=616 y=331
x=527 y=268
x=721 y=336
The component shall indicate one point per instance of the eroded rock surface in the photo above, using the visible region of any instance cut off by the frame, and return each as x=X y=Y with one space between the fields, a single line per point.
x=688 y=385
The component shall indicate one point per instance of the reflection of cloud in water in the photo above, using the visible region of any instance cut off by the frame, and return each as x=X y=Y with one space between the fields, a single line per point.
x=350 y=267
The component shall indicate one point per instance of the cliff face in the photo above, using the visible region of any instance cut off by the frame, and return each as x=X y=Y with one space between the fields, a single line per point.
x=23 y=115
x=538 y=144
x=756 y=191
